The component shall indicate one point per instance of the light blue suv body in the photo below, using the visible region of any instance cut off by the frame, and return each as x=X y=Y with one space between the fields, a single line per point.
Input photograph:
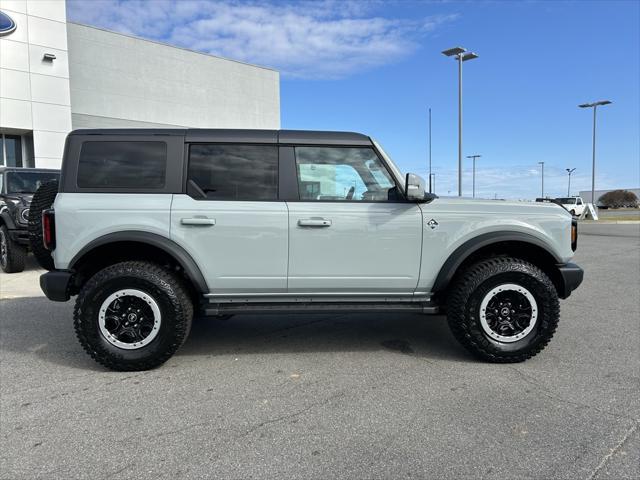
x=284 y=221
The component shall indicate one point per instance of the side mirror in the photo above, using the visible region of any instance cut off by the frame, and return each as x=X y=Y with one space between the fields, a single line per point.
x=414 y=188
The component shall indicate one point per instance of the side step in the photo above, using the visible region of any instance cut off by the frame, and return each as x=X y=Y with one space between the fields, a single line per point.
x=211 y=309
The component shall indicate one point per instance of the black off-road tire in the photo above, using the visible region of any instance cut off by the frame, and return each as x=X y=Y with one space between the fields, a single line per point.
x=12 y=254
x=168 y=291
x=42 y=200
x=472 y=285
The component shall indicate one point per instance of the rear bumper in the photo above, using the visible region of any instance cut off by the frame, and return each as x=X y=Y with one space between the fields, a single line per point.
x=572 y=276
x=55 y=285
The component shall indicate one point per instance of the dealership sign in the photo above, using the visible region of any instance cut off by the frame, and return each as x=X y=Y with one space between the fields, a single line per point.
x=7 y=25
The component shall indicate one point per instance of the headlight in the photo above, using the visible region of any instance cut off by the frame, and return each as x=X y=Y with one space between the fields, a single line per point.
x=24 y=215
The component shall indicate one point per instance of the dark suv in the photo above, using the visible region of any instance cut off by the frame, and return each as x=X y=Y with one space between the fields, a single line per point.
x=17 y=186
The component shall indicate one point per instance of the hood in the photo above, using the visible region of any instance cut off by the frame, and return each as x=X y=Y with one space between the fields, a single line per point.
x=498 y=206
x=18 y=199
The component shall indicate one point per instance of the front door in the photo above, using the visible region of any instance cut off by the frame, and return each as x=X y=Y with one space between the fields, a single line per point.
x=231 y=222
x=351 y=233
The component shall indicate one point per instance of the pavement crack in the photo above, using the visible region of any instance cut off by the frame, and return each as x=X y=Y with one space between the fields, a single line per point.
x=612 y=452
x=545 y=391
x=120 y=470
x=289 y=415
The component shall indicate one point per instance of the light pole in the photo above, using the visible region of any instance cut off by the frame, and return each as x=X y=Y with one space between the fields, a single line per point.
x=461 y=55
x=595 y=106
x=430 y=191
x=569 y=171
x=474 y=172
x=434 y=181
x=542 y=163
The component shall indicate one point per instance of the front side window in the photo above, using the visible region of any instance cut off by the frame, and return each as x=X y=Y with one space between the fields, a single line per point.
x=126 y=165
x=342 y=174
x=234 y=172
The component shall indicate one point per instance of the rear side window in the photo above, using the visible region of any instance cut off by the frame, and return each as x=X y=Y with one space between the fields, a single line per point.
x=126 y=165
x=235 y=172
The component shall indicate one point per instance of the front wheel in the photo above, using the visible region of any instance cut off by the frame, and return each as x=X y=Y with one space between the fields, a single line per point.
x=133 y=316
x=503 y=309
x=12 y=254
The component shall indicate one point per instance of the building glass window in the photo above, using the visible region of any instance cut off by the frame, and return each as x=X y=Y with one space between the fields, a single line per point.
x=11 y=151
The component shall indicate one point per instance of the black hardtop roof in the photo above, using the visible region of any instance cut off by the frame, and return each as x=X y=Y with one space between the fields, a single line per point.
x=223 y=135
x=27 y=169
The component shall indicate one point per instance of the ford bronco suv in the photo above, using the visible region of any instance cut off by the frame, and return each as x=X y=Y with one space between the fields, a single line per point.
x=151 y=227
x=17 y=186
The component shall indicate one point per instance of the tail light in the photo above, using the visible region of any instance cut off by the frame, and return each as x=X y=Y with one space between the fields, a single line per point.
x=49 y=229
x=574 y=234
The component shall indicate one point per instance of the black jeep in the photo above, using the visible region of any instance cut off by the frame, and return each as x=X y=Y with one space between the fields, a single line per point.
x=17 y=186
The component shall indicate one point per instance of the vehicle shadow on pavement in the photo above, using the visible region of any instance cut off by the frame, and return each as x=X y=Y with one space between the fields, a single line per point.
x=31 y=263
x=419 y=335
x=34 y=326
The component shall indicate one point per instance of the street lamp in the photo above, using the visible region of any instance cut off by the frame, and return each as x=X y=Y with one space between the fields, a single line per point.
x=461 y=55
x=474 y=172
x=594 y=105
x=434 y=181
x=569 y=171
x=542 y=163
x=430 y=191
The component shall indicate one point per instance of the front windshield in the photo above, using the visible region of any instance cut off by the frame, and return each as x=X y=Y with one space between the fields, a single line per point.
x=567 y=201
x=28 y=182
x=392 y=166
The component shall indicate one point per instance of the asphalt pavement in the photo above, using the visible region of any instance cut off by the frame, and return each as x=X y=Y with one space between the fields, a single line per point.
x=332 y=396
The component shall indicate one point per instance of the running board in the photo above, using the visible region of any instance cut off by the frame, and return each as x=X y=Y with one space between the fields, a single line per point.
x=213 y=310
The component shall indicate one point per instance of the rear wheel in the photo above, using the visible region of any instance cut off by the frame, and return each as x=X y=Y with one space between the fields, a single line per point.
x=42 y=200
x=133 y=316
x=503 y=309
x=12 y=254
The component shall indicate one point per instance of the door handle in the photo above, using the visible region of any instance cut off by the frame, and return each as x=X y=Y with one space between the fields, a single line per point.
x=198 y=221
x=314 y=222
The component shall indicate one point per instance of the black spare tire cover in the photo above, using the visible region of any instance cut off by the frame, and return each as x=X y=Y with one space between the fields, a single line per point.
x=42 y=200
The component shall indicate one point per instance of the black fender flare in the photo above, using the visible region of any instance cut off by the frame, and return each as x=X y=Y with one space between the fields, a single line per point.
x=170 y=247
x=7 y=219
x=460 y=254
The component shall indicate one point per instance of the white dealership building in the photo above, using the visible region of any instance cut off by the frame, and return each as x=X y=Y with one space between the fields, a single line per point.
x=56 y=76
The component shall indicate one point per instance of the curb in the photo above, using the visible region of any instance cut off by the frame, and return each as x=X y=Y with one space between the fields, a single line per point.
x=610 y=222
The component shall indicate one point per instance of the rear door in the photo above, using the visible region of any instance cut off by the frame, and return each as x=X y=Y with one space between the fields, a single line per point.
x=351 y=232
x=230 y=220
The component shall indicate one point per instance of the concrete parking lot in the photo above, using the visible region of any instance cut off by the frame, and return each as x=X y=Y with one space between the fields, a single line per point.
x=332 y=396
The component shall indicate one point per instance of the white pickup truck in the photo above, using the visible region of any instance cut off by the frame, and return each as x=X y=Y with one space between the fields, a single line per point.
x=149 y=227
x=574 y=205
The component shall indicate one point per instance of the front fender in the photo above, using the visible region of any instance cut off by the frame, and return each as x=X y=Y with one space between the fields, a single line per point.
x=7 y=219
x=472 y=245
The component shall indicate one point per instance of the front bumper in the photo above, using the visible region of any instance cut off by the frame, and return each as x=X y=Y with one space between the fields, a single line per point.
x=20 y=236
x=572 y=276
x=55 y=285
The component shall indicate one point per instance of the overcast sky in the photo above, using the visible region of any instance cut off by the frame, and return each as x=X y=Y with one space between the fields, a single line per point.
x=376 y=67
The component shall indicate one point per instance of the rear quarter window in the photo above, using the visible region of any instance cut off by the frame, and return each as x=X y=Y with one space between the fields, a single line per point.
x=122 y=164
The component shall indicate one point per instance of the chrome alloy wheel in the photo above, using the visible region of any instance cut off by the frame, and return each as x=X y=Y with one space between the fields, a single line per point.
x=508 y=313
x=129 y=319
